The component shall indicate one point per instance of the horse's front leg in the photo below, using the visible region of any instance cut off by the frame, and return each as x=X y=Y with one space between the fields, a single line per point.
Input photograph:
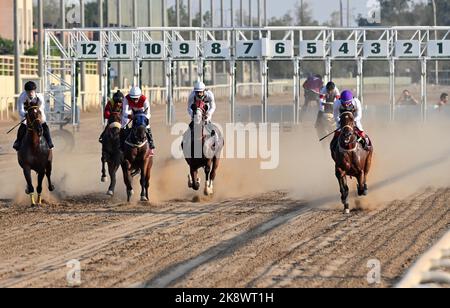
x=145 y=182
x=30 y=189
x=209 y=190
x=112 y=169
x=127 y=179
x=41 y=176
x=195 y=180
x=103 y=179
x=343 y=189
x=362 y=187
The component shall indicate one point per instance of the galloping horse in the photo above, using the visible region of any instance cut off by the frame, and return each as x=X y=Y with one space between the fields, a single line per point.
x=111 y=149
x=350 y=158
x=202 y=149
x=35 y=155
x=137 y=157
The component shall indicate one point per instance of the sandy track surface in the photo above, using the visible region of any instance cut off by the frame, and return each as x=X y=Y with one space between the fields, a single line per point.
x=266 y=241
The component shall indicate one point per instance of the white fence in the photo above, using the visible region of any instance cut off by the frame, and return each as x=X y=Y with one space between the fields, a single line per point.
x=7 y=107
x=433 y=269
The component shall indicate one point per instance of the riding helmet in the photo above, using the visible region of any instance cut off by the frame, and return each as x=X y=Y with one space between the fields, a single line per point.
x=30 y=86
x=118 y=97
x=331 y=86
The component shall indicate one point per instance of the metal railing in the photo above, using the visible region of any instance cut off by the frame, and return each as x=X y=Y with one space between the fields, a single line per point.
x=7 y=107
x=432 y=269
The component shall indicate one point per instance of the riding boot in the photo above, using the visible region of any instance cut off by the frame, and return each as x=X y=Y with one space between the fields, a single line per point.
x=46 y=133
x=20 y=135
x=150 y=138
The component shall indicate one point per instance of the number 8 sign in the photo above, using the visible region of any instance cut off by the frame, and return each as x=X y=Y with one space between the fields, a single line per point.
x=217 y=49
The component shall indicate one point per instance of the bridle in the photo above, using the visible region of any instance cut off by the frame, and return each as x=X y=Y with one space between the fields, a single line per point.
x=30 y=123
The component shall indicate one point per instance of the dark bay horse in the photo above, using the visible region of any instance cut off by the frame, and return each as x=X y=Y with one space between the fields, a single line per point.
x=35 y=155
x=202 y=145
x=111 y=149
x=137 y=157
x=350 y=158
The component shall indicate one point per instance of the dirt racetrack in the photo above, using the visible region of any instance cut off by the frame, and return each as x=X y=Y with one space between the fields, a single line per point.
x=279 y=228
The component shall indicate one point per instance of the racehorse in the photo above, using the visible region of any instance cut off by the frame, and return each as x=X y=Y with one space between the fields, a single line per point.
x=202 y=145
x=35 y=155
x=137 y=156
x=350 y=158
x=111 y=149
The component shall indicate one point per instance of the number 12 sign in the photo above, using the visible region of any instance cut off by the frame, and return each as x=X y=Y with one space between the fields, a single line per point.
x=88 y=50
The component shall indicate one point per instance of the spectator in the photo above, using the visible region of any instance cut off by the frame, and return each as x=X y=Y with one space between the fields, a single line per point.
x=407 y=99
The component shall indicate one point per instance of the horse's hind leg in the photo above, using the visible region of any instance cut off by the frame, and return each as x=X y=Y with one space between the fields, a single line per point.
x=103 y=179
x=41 y=176
x=362 y=184
x=30 y=189
x=366 y=172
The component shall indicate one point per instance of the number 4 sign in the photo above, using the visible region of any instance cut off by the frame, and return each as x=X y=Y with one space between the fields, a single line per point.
x=343 y=49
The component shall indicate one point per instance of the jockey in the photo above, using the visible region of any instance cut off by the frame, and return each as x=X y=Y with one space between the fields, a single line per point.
x=328 y=96
x=200 y=93
x=348 y=102
x=31 y=97
x=117 y=101
x=135 y=101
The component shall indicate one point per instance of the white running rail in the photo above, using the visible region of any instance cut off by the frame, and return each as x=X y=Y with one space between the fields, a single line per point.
x=433 y=268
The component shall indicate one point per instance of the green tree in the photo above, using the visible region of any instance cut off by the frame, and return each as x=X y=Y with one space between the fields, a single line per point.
x=6 y=47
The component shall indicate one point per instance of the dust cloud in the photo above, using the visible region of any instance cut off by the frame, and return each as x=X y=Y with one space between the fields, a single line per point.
x=409 y=157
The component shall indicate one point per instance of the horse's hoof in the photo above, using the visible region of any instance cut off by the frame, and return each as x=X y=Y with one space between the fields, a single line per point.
x=110 y=193
x=144 y=199
x=104 y=178
x=347 y=211
x=39 y=200
x=51 y=188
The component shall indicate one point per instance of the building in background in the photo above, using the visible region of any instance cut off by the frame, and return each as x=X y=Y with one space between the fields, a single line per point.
x=149 y=14
x=25 y=8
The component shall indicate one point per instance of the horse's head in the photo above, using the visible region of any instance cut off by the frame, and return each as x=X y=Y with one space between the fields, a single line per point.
x=199 y=112
x=140 y=123
x=34 y=117
x=347 y=118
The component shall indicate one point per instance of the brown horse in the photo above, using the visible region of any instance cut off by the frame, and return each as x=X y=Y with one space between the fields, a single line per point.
x=35 y=155
x=137 y=157
x=111 y=149
x=350 y=158
x=202 y=145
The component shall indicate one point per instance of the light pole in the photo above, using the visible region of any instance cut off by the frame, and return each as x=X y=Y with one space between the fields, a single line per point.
x=17 y=85
x=435 y=37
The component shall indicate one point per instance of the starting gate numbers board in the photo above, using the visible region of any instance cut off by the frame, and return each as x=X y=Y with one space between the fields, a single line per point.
x=260 y=49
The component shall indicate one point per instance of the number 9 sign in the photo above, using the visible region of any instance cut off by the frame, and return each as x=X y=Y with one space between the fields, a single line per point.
x=184 y=49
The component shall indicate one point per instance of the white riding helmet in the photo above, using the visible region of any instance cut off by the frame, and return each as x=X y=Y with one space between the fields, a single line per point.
x=135 y=92
x=199 y=87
